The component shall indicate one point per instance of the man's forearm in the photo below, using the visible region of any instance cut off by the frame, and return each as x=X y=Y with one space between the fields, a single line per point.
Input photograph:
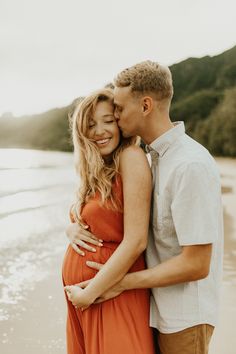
x=179 y=269
x=159 y=276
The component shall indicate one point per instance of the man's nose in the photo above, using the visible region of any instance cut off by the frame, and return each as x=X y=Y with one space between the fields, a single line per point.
x=116 y=117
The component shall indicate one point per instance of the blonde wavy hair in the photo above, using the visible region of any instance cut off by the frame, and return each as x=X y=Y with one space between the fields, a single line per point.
x=96 y=175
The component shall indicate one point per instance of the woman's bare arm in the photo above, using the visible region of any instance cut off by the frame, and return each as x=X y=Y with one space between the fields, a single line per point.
x=136 y=178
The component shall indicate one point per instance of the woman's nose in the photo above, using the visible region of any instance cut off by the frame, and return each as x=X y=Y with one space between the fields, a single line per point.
x=100 y=129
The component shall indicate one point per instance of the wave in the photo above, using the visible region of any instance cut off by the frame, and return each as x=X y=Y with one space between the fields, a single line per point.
x=31 y=167
x=18 y=211
x=36 y=189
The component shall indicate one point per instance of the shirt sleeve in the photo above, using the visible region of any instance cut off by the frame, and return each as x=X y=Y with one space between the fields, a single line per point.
x=196 y=204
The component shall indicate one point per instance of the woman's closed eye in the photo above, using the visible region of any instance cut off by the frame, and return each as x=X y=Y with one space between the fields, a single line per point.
x=91 y=123
x=110 y=121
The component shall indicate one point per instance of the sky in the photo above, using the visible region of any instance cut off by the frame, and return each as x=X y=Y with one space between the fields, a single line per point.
x=52 y=51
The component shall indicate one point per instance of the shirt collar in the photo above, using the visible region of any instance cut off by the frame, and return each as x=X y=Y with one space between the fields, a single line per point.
x=163 y=142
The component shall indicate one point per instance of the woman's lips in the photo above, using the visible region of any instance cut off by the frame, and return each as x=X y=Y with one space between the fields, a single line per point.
x=103 y=142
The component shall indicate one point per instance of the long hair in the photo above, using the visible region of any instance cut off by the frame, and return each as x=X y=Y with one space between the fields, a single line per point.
x=96 y=175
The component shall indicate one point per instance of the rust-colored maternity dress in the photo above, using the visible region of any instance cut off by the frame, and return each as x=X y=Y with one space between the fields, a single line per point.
x=116 y=326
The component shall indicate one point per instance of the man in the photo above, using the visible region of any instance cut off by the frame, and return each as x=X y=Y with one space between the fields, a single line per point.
x=184 y=253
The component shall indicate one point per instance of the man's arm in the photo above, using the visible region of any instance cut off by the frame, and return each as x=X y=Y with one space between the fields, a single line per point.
x=192 y=264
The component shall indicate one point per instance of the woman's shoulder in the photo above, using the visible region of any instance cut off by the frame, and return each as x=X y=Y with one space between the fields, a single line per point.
x=132 y=151
x=133 y=160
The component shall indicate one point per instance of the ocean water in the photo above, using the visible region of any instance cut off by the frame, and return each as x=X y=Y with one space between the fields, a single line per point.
x=36 y=189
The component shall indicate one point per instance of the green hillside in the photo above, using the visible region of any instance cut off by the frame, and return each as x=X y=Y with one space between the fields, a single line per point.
x=47 y=131
x=207 y=73
x=204 y=97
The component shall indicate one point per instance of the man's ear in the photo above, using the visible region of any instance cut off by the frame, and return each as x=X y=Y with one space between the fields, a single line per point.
x=147 y=104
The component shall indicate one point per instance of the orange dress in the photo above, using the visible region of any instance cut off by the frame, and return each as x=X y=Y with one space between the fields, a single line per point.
x=116 y=326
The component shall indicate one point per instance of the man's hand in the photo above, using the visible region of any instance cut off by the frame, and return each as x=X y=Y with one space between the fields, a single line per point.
x=114 y=291
x=79 y=237
x=93 y=265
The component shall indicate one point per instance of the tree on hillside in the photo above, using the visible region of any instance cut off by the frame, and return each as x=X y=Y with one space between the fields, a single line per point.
x=218 y=132
x=195 y=107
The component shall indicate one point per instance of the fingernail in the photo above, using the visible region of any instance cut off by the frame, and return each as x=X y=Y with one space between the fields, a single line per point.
x=100 y=244
x=100 y=240
x=93 y=249
x=89 y=262
x=83 y=254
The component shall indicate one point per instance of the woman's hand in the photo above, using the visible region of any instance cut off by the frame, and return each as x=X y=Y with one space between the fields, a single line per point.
x=78 y=296
x=79 y=237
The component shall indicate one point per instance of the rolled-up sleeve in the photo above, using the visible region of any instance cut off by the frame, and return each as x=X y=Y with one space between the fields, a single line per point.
x=195 y=205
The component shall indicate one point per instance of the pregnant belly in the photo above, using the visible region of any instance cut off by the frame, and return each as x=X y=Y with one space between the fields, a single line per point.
x=75 y=270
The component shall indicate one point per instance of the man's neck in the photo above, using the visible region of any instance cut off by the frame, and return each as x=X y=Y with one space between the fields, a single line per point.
x=155 y=129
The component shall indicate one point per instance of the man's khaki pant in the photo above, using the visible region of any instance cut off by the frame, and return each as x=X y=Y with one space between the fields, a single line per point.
x=193 y=340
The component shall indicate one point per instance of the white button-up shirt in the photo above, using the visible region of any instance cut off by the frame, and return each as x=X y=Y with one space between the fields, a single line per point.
x=186 y=210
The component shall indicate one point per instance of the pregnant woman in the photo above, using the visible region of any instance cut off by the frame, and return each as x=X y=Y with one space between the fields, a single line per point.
x=113 y=200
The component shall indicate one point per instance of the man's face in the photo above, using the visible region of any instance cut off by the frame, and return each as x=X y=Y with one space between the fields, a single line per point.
x=128 y=111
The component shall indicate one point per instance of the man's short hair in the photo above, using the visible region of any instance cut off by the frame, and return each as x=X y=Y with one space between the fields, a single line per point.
x=147 y=77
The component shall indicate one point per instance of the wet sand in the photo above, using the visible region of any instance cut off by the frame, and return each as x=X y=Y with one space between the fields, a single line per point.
x=37 y=325
x=36 y=190
x=34 y=319
x=224 y=339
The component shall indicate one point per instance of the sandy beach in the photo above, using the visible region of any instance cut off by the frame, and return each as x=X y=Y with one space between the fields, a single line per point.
x=35 y=195
x=34 y=199
x=224 y=339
